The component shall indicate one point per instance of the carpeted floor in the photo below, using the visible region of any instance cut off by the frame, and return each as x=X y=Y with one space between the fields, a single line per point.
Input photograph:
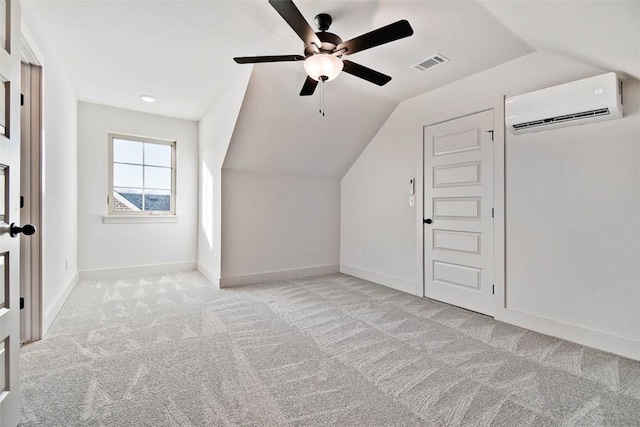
x=171 y=350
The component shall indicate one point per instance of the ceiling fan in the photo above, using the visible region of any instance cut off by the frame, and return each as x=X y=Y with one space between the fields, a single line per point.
x=323 y=51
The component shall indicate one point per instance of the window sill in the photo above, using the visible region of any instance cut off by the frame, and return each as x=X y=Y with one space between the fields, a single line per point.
x=138 y=219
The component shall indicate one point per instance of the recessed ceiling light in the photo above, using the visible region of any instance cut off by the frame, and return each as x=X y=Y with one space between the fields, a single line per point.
x=147 y=98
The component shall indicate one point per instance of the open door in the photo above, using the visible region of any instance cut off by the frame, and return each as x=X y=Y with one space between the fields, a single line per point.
x=10 y=212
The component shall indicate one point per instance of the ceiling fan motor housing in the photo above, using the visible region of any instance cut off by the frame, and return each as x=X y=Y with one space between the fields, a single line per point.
x=322 y=57
x=329 y=43
x=323 y=21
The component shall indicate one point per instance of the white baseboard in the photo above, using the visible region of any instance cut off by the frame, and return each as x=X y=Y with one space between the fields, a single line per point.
x=270 y=276
x=53 y=311
x=392 y=282
x=209 y=274
x=625 y=347
x=139 y=270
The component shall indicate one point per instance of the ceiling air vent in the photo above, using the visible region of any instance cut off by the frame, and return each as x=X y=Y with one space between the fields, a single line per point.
x=431 y=62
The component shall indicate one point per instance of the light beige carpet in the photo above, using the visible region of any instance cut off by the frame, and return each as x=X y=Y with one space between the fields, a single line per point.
x=171 y=350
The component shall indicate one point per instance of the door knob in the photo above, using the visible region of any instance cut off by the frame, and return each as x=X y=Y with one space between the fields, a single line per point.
x=428 y=221
x=27 y=230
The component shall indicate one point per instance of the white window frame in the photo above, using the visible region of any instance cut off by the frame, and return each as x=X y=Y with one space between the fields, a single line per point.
x=110 y=199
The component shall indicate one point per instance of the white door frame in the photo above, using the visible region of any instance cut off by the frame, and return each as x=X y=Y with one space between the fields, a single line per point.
x=30 y=53
x=31 y=190
x=497 y=105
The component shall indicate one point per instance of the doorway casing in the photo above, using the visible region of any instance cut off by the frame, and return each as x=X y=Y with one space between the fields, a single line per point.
x=499 y=265
x=31 y=327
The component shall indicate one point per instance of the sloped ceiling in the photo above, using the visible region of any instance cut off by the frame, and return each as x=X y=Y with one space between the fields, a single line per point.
x=181 y=52
x=281 y=132
x=605 y=34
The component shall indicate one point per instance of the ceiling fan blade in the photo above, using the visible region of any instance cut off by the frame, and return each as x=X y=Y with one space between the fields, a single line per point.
x=275 y=58
x=365 y=73
x=296 y=21
x=391 y=32
x=309 y=87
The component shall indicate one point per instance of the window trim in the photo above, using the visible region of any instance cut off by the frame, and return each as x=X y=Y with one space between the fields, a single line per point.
x=110 y=199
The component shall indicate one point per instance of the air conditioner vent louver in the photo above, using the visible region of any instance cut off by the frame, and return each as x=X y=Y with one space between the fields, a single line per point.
x=568 y=117
x=431 y=62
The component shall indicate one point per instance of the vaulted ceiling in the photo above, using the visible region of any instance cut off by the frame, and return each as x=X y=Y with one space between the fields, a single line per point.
x=604 y=34
x=181 y=53
x=280 y=132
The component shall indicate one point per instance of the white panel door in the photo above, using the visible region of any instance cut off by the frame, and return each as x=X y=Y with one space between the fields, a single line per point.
x=458 y=203
x=9 y=213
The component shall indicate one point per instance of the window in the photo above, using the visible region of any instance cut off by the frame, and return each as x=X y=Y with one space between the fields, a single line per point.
x=142 y=176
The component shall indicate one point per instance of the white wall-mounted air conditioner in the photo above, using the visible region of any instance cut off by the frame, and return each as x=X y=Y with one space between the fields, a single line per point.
x=584 y=101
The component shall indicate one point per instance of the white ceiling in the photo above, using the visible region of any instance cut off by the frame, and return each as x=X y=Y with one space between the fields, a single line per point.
x=181 y=52
x=605 y=34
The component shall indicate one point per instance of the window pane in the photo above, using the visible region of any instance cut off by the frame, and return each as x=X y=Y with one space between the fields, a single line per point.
x=127 y=199
x=155 y=177
x=127 y=151
x=157 y=154
x=157 y=200
x=127 y=175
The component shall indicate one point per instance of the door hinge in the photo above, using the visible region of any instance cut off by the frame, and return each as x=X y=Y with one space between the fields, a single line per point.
x=491 y=132
x=493 y=289
x=108 y=199
x=21 y=303
x=492 y=213
x=21 y=202
x=21 y=99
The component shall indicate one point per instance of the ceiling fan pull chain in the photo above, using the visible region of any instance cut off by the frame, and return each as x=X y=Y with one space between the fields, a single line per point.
x=323 y=98
x=320 y=109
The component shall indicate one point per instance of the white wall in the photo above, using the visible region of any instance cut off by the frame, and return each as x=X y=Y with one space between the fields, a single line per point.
x=281 y=132
x=120 y=246
x=281 y=175
x=572 y=208
x=215 y=132
x=59 y=179
x=277 y=226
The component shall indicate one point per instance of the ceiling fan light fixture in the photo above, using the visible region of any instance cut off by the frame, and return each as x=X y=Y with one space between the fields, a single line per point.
x=323 y=66
x=323 y=51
